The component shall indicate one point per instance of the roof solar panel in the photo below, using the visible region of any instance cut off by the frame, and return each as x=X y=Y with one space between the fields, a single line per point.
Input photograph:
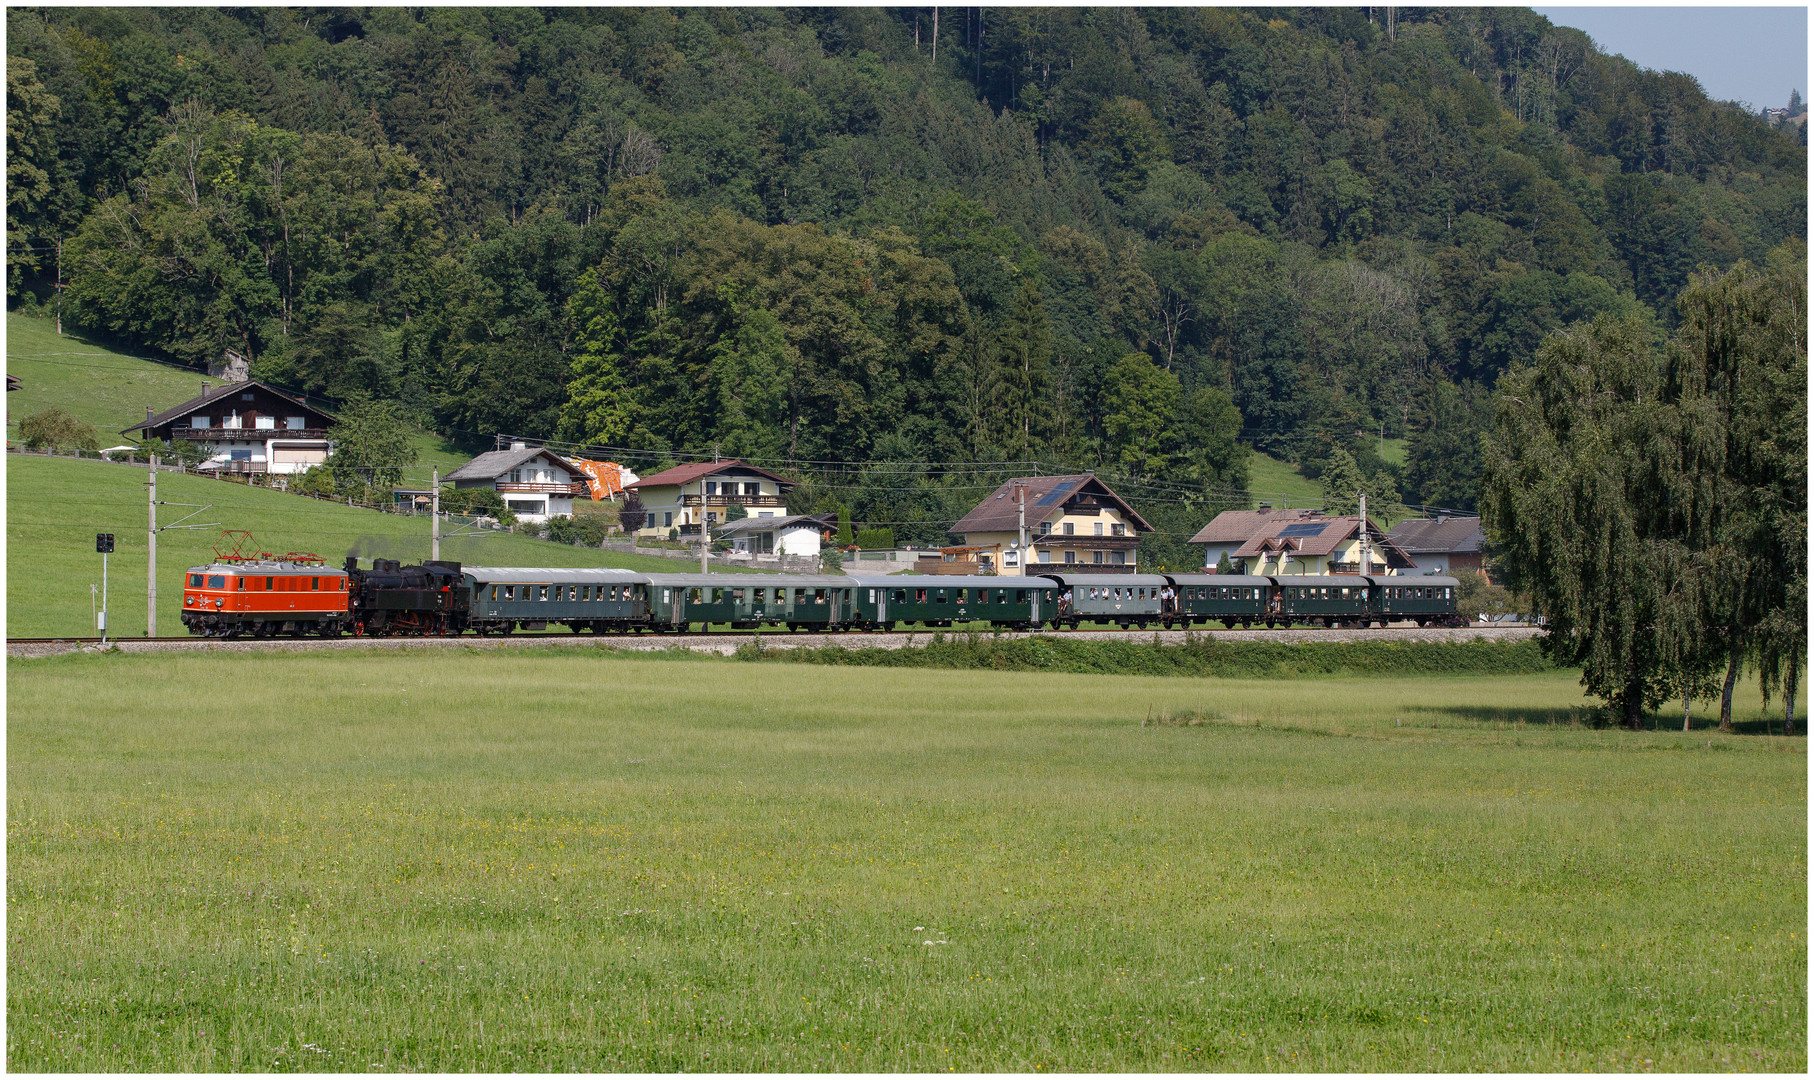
x=1057 y=494
x=1305 y=529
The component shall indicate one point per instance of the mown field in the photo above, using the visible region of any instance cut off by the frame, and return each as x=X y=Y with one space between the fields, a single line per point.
x=55 y=506
x=536 y=860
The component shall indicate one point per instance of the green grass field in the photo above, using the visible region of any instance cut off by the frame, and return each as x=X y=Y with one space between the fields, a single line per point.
x=1280 y=483
x=530 y=860
x=56 y=505
x=111 y=390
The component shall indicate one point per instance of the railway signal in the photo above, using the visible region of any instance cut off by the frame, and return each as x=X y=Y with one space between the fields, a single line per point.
x=103 y=543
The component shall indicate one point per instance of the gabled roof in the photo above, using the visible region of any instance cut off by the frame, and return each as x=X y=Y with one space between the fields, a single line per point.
x=1046 y=496
x=1425 y=536
x=495 y=463
x=1239 y=526
x=755 y=524
x=1319 y=536
x=686 y=474
x=215 y=394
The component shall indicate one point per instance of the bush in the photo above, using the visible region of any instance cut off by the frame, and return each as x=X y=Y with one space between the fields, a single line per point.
x=831 y=560
x=56 y=429
x=876 y=539
x=1200 y=658
x=585 y=531
x=1475 y=594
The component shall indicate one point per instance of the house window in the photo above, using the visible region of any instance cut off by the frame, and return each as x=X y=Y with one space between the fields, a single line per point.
x=1070 y=556
x=1070 y=528
x=752 y=489
x=1010 y=558
x=711 y=487
x=245 y=397
x=711 y=517
x=1099 y=528
x=198 y=422
x=1119 y=557
x=667 y=518
x=1045 y=556
x=265 y=423
x=294 y=423
x=1120 y=529
x=1045 y=528
x=1096 y=557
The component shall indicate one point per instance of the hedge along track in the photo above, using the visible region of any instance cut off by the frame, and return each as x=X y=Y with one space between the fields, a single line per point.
x=728 y=641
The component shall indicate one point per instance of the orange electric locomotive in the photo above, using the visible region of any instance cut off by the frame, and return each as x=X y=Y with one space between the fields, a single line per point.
x=265 y=596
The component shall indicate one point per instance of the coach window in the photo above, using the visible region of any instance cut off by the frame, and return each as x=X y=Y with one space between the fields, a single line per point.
x=541 y=592
x=963 y=596
x=1020 y=596
x=919 y=596
x=940 y=598
x=1001 y=596
x=818 y=596
x=664 y=596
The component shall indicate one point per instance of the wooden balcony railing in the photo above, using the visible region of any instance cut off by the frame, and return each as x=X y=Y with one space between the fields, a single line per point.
x=733 y=500
x=506 y=487
x=246 y=434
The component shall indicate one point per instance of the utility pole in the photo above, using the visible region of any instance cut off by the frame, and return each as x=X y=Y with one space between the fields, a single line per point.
x=151 y=555
x=705 y=540
x=1020 y=500
x=434 y=515
x=1366 y=555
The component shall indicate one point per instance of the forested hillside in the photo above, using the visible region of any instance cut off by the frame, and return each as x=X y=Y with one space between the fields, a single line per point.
x=1132 y=240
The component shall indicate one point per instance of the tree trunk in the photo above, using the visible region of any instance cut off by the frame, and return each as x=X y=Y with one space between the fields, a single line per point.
x=1687 y=713
x=1732 y=667
x=1634 y=705
x=1789 y=699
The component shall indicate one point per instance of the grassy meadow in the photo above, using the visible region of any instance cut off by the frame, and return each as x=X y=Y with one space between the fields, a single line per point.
x=111 y=389
x=537 y=860
x=54 y=506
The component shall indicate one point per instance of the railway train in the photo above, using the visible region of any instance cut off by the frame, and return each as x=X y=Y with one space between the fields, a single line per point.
x=295 y=595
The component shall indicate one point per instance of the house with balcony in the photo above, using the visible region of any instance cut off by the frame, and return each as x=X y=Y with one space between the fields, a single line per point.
x=1230 y=529
x=535 y=483
x=245 y=427
x=687 y=496
x=1319 y=545
x=1076 y=523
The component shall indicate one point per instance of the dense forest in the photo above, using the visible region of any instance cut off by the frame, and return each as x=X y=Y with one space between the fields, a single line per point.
x=1132 y=240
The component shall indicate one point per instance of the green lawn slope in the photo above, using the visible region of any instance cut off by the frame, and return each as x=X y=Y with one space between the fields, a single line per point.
x=1280 y=483
x=111 y=390
x=56 y=505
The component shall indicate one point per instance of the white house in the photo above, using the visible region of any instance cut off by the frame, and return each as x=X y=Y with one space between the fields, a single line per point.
x=536 y=484
x=683 y=497
x=246 y=427
x=797 y=534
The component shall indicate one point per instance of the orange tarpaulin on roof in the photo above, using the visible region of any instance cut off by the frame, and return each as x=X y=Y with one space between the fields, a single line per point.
x=605 y=478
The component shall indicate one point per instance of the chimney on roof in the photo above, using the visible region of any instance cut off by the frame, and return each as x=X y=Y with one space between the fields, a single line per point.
x=148 y=414
x=204 y=387
x=519 y=445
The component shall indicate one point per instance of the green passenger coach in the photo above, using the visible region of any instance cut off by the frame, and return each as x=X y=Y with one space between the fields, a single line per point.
x=533 y=597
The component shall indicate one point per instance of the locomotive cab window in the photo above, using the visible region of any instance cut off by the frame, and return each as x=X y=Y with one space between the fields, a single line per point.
x=242 y=584
x=195 y=581
x=268 y=585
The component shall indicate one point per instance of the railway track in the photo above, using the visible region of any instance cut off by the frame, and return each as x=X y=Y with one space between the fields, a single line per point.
x=726 y=641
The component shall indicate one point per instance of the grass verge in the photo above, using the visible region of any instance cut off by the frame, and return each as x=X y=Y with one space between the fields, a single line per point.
x=450 y=861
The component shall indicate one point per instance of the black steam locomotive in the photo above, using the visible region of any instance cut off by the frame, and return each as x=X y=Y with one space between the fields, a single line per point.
x=391 y=598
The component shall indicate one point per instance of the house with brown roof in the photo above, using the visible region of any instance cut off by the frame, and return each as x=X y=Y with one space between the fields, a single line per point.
x=1075 y=522
x=1230 y=529
x=245 y=427
x=686 y=496
x=1442 y=544
x=1319 y=545
x=535 y=483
